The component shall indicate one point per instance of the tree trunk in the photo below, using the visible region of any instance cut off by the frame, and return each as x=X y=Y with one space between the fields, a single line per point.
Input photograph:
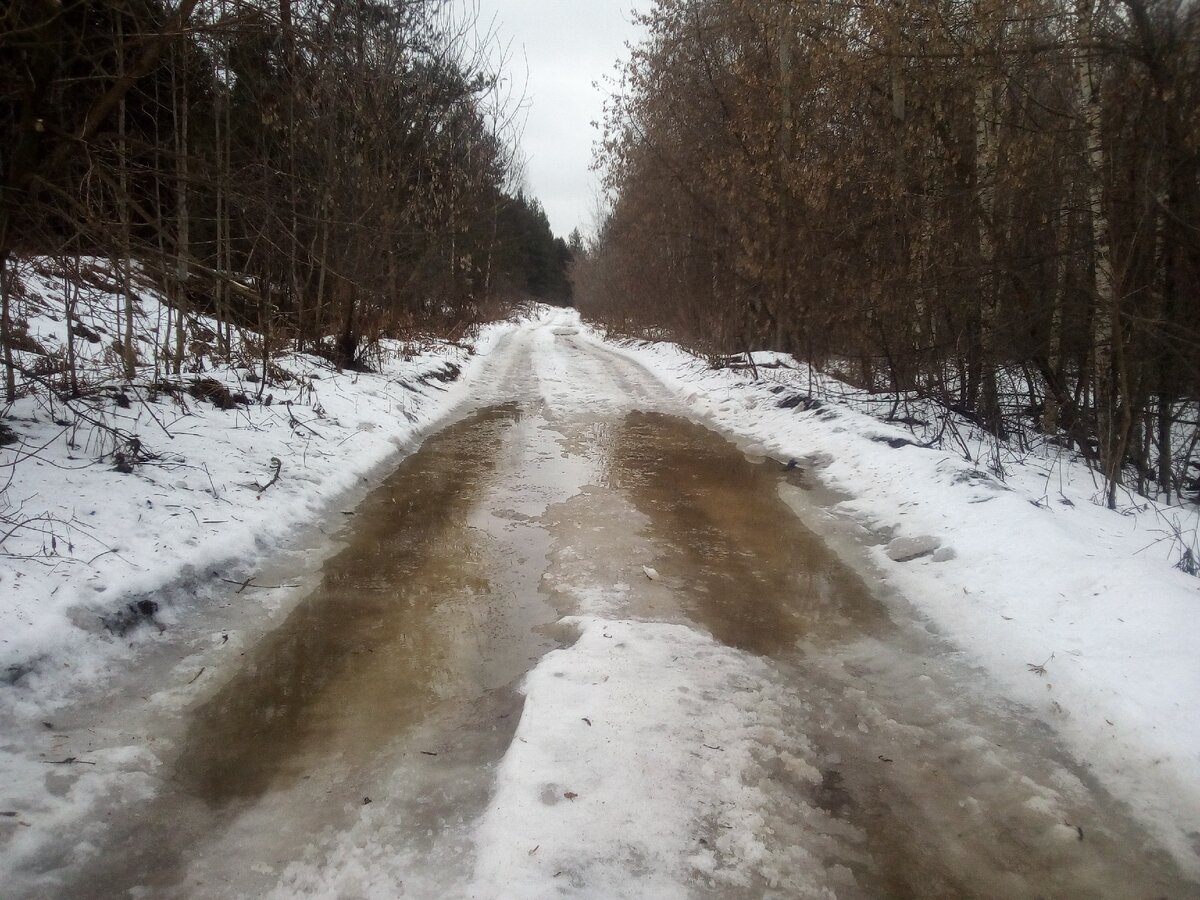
x=70 y=302
x=1052 y=408
x=1105 y=322
x=10 y=371
x=183 y=225
x=128 y=356
x=986 y=156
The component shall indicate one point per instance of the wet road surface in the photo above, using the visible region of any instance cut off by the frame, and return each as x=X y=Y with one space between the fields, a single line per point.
x=392 y=684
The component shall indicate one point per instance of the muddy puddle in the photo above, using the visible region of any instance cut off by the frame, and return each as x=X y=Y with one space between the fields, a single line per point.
x=741 y=563
x=398 y=624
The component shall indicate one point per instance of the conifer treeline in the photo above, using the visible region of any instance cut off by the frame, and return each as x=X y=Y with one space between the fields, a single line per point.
x=995 y=204
x=319 y=171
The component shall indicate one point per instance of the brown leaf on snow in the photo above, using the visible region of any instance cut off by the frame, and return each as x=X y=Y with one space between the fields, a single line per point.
x=570 y=795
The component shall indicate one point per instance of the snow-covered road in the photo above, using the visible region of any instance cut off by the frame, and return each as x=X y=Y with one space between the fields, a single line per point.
x=579 y=645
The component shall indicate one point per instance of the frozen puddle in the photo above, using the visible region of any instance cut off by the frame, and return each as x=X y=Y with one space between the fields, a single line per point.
x=573 y=648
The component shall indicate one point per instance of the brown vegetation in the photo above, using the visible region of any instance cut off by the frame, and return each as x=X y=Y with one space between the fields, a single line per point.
x=995 y=205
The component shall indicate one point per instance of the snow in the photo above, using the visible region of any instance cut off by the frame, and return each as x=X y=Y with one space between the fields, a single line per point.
x=628 y=774
x=638 y=767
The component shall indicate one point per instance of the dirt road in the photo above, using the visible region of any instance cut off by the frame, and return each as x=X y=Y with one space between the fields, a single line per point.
x=368 y=739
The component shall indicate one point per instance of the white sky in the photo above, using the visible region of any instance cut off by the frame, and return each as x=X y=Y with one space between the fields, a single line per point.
x=568 y=46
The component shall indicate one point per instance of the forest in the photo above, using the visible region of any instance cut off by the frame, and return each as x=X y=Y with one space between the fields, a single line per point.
x=318 y=173
x=990 y=206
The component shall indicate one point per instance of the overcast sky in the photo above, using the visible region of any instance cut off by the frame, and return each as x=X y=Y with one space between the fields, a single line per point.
x=567 y=46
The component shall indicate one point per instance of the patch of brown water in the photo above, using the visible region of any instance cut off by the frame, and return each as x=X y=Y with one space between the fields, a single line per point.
x=740 y=562
x=395 y=626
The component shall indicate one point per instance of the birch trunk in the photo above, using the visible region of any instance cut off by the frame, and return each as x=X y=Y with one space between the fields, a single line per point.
x=1104 y=319
x=10 y=370
x=783 y=238
x=182 y=219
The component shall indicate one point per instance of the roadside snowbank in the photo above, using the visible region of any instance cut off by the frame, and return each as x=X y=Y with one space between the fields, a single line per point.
x=1074 y=610
x=206 y=491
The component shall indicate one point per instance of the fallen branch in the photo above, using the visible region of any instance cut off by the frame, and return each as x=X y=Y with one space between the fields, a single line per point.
x=295 y=423
x=242 y=585
x=278 y=464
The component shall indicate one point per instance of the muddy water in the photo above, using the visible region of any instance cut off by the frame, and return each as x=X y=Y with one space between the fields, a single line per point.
x=410 y=614
x=750 y=573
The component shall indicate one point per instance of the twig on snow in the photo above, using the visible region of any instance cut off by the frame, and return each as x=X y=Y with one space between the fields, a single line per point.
x=1039 y=669
x=278 y=464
